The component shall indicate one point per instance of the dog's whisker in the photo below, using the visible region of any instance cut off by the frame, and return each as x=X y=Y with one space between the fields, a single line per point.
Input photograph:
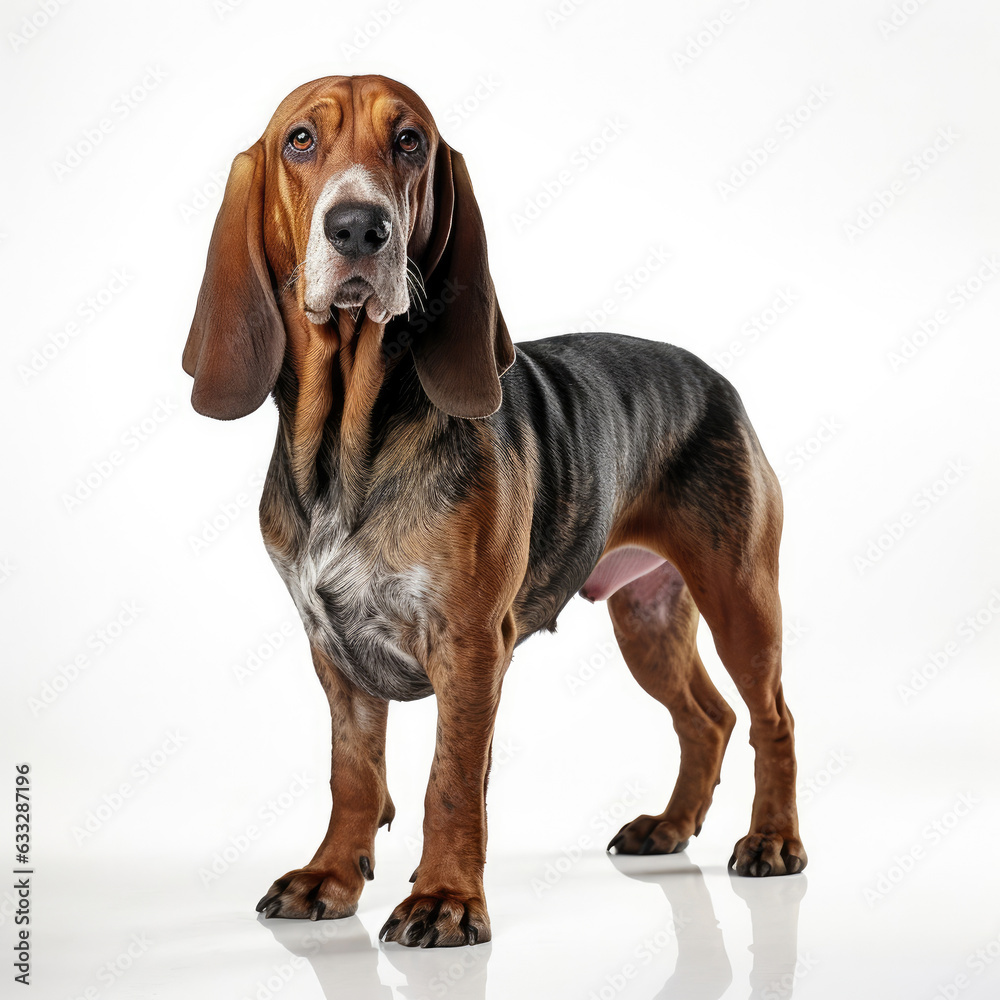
x=415 y=284
x=293 y=277
x=428 y=511
x=414 y=271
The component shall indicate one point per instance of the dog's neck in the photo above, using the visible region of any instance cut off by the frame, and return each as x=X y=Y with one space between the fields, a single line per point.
x=327 y=398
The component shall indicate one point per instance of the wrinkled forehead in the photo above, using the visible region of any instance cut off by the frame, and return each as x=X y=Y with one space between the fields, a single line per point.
x=359 y=106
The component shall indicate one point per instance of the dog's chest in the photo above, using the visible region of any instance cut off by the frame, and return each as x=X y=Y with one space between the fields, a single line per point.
x=370 y=619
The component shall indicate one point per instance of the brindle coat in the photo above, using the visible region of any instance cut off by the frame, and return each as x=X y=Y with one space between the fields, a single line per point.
x=425 y=522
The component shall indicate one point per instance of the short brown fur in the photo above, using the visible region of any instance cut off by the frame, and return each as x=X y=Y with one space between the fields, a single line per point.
x=477 y=551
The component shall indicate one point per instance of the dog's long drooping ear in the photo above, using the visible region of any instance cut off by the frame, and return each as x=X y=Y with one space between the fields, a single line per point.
x=237 y=340
x=462 y=347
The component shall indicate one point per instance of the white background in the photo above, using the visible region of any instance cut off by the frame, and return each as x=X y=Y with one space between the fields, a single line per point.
x=526 y=96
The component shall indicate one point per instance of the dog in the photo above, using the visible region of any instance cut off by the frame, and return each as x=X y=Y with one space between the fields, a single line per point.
x=436 y=495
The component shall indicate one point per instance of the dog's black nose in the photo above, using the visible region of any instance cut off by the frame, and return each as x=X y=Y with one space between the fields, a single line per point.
x=356 y=229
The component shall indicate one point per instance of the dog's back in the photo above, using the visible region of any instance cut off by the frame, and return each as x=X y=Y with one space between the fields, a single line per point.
x=610 y=419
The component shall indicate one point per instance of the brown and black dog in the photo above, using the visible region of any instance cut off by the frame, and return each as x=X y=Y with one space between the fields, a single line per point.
x=426 y=522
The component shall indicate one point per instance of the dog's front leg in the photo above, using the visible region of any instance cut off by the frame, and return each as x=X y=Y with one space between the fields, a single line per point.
x=448 y=906
x=330 y=885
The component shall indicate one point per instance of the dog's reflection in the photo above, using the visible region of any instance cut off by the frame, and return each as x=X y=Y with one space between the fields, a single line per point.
x=346 y=960
x=340 y=953
x=438 y=972
x=703 y=971
x=774 y=924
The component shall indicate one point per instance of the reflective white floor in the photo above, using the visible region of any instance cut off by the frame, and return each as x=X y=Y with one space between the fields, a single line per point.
x=591 y=927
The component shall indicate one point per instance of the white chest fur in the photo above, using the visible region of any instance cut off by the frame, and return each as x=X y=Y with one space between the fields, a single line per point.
x=370 y=620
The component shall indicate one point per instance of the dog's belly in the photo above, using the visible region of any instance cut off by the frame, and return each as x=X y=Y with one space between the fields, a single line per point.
x=370 y=621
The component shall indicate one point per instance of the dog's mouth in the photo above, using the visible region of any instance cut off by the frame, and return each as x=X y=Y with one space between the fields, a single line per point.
x=357 y=292
x=354 y=294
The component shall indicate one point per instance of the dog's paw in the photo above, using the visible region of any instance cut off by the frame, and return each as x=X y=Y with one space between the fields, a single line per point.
x=650 y=835
x=761 y=854
x=306 y=893
x=437 y=920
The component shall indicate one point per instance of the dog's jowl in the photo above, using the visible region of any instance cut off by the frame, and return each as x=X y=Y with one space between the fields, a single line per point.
x=436 y=495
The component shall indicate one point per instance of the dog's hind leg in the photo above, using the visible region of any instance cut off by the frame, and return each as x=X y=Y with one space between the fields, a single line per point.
x=723 y=534
x=655 y=622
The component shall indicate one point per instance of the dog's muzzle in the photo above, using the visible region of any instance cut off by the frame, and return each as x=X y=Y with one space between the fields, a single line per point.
x=356 y=255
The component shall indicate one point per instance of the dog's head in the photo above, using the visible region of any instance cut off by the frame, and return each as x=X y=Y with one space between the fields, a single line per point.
x=349 y=201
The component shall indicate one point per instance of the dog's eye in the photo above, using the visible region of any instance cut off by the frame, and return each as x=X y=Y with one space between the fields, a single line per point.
x=408 y=141
x=301 y=139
